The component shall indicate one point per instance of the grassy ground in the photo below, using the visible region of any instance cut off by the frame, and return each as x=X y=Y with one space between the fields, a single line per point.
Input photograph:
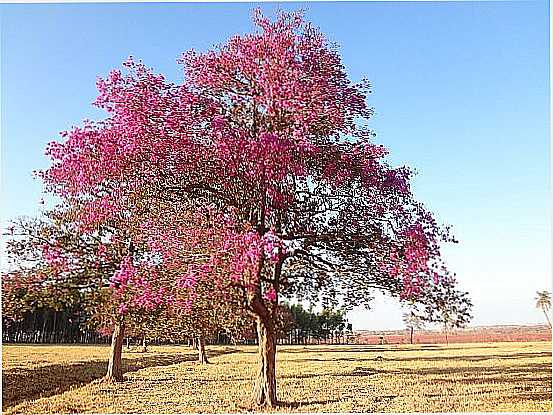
x=433 y=378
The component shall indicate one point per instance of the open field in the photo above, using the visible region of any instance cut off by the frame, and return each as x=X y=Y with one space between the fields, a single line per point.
x=483 y=334
x=467 y=335
x=392 y=378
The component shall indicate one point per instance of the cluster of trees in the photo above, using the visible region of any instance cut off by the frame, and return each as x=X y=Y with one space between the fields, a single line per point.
x=49 y=326
x=308 y=326
x=298 y=326
x=198 y=207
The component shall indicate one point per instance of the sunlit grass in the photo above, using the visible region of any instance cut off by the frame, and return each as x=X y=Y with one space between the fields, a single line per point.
x=433 y=378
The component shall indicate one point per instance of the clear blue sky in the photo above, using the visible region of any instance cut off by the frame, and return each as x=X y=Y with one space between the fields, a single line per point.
x=461 y=92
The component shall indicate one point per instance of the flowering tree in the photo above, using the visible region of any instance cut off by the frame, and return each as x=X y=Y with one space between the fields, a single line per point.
x=264 y=152
x=52 y=265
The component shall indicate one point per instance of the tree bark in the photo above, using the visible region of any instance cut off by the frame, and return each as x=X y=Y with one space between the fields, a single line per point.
x=264 y=393
x=44 y=315
x=202 y=355
x=53 y=336
x=411 y=337
x=115 y=367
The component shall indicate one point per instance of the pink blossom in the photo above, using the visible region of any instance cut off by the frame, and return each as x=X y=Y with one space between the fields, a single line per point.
x=270 y=295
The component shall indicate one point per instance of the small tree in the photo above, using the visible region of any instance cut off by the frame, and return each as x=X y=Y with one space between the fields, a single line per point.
x=412 y=322
x=51 y=266
x=444 y=304
x=543 y=302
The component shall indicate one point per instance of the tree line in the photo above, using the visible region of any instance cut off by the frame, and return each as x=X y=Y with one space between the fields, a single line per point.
x=300 y=326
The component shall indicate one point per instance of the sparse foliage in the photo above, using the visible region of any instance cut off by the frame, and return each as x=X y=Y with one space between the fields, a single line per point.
x=543 y=302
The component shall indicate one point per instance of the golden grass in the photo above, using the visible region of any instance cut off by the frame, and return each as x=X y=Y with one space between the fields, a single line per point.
x=514 y=377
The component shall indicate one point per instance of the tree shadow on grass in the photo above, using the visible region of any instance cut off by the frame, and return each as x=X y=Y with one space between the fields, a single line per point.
x=514 y=371
x=366 y=348
x=19 y=385
x=284 y=405
x=471 y=358
x=529 y=381
x=358 y=371
x=531 y=372
x=297 y=404
x=475 y=358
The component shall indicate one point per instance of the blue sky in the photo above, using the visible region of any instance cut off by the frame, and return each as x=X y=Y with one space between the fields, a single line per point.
x=461 y=93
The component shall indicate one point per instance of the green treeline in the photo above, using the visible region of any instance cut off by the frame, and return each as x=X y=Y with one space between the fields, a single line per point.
x=297 y=326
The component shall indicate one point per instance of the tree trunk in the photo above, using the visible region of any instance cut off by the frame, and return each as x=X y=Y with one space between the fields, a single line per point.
x=202 y=355
x=547 y=317
x=53 y=337
x=44 y=315
x=144 y=345
x=115 y=367
x=411 y=337
x=264 y=393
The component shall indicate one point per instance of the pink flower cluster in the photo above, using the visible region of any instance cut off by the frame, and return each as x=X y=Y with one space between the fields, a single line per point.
x=139 y=287
x=124 y=274
x=53 y=256
x=257 y=124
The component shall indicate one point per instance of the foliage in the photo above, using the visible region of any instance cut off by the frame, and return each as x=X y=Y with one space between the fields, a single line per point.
x=543 y=302
x=413 y=321
x=264 y=147
x=55 y=267
x=327 y=323
x=444 y=304
x=50 y=265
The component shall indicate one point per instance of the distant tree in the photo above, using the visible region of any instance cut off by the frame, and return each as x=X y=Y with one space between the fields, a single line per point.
x=444 y=304
x=326 y=324
x=412 y=322
x=543 y=302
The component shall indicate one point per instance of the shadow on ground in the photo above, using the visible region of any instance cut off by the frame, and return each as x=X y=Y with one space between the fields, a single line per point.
x=529 y=379
x=19 y=385
x=472 y=358
x=335 y=348
x=285 y=404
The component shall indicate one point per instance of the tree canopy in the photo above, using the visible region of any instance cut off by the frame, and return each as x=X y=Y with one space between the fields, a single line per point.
x=255 y=179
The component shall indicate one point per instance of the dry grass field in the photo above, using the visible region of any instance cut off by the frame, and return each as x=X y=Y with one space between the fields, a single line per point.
x=421 y=378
